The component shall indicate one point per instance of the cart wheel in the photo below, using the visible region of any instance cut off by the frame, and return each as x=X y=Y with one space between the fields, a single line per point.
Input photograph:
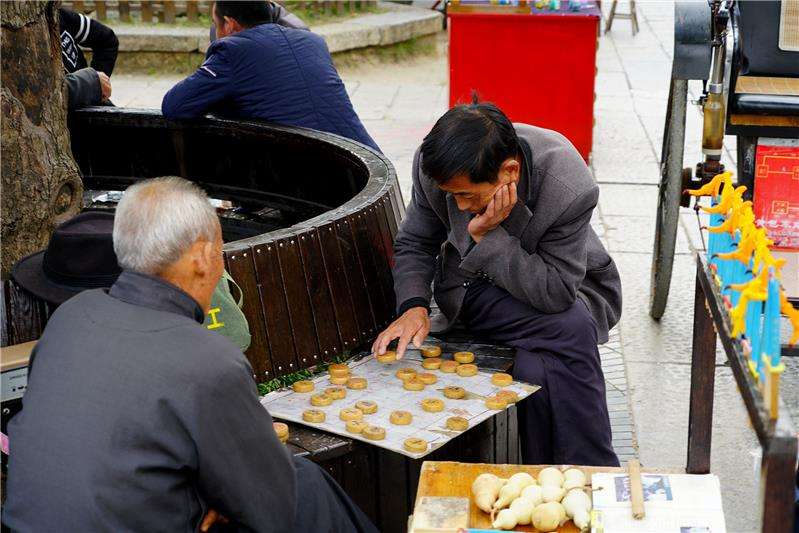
x=668 y=219
x=668 y=211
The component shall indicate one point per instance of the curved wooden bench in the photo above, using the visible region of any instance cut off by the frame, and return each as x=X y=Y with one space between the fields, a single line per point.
x=318 y=283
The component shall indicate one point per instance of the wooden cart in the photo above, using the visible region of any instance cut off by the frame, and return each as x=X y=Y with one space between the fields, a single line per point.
x=777 y=436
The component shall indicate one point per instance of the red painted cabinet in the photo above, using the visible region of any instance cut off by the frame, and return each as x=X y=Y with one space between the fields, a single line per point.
x=538 y=67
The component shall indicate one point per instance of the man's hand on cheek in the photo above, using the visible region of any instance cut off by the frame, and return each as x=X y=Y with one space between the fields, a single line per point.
x=498 y=210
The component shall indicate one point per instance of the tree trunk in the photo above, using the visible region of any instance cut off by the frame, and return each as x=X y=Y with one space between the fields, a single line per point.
x=41 y=184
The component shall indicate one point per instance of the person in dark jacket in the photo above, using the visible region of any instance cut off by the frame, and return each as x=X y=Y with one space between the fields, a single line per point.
x=499 y=224
x=137 y=418
x=86 y=85
x=258 y=69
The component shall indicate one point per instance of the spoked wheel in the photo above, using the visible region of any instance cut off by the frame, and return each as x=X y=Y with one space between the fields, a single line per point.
x=672 y=176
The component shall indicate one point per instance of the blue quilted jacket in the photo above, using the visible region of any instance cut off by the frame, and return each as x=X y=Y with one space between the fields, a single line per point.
x=269 y=72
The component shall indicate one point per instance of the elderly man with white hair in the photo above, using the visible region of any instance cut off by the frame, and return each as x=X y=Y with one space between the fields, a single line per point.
x=137 y=418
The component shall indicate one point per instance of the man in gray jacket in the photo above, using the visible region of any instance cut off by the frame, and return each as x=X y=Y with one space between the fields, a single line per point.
x=499 y=223
x=137 y=418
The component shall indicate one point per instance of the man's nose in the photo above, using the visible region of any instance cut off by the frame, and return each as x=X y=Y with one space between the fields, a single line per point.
x=463 y=205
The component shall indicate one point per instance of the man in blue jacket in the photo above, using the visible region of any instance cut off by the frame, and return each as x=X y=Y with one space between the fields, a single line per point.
x=259 y=69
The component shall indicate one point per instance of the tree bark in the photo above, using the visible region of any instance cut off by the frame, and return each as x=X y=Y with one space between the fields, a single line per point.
x=41 y=184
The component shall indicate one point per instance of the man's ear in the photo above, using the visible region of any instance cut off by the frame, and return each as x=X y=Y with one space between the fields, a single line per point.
x=509 y=170
x=208 y=252
x=235 y=27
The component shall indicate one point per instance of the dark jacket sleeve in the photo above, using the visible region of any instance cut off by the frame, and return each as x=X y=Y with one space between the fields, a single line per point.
x=83 y=89
x=104 y=45
x=94 y=35
x=244 y=472
x=416 y=248
x=195 y=95
x=547 y=279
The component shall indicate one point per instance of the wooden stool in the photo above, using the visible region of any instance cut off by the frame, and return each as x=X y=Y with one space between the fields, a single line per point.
x=632 y=15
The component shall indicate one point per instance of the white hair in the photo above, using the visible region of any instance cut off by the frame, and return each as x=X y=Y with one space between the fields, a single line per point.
x=158 y=220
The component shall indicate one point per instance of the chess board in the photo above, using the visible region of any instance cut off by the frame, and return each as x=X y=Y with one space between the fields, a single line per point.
x=387 y=391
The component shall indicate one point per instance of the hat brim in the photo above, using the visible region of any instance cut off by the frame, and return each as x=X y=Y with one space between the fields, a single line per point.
x=29 y=274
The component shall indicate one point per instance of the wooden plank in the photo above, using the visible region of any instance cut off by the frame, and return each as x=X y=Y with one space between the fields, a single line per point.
x=393 y=504
x=390 y=213
x=124 y=10
x=777 y=483
x=146 y=9
x=514 y=450
x=191 y=10
x=365 y=248
x=340 y=293
x=501 y=437
x=302 y=325
x=703 y=368
x=275 y=308
x=355 y=280
x=169 y=11
x=317 y=446
x=358 y=475
x=382 y=254
x=333 y=467
x=484 y=447
x=100 y=9
x=3 y=315
x=26 y=315
x=443 y=478
x=319 y=292
x=767 y=85
x=242 y=269
x=740 y=119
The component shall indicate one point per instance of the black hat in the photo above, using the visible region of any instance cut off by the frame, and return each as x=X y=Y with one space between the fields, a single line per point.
x=80 y=256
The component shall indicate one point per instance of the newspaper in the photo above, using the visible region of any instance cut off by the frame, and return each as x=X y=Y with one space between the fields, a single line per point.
x=387 y=390
x=674 y=503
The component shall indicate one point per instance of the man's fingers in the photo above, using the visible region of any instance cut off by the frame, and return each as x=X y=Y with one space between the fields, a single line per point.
x=505 y=197
x=386 y=337
x=490 y=209
x=404 y=339
x=513 y=193
x=421 y=335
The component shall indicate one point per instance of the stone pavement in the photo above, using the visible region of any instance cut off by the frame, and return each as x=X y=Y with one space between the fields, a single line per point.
x=647 y=364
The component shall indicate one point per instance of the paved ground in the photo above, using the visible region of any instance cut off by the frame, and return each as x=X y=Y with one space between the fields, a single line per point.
x=646 y=363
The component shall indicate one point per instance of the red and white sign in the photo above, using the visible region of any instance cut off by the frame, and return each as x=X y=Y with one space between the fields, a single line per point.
x=776 y=199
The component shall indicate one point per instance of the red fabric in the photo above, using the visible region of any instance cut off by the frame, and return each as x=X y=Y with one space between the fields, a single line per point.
x=538 y=68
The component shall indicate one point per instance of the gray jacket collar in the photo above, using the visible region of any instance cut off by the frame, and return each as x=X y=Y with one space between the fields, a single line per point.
x=527 y=189
x=147 y=291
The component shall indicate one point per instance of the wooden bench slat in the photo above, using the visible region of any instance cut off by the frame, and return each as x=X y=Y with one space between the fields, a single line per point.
x=340 y=292
x=302 y=325
x=274 y=307
x=321 y=301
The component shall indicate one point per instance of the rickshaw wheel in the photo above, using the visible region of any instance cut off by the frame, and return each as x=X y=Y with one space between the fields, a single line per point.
x=668 y=219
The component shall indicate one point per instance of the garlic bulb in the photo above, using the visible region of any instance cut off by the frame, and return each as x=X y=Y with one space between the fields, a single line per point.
x=533 y=493
x=573 y=478
x=548 y=516
x=506 y=519
x=550 y=476
x=552 y=493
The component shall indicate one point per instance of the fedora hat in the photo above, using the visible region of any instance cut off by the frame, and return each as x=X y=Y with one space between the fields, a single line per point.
x=79 y=256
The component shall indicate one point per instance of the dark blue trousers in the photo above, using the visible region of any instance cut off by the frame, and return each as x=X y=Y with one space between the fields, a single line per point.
x=566 y=422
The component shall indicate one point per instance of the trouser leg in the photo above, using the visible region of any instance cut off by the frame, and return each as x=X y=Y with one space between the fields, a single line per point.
x=567 y=420
x=322 y=505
